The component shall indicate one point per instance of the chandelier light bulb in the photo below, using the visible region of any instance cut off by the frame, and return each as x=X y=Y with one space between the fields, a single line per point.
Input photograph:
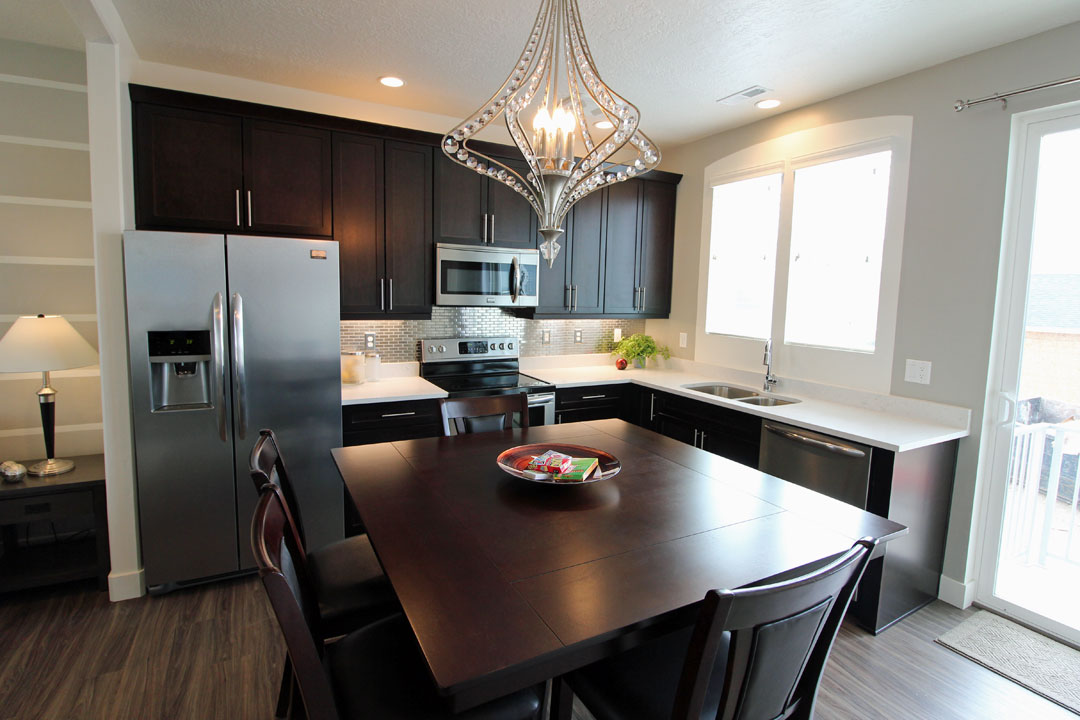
x=557 y=75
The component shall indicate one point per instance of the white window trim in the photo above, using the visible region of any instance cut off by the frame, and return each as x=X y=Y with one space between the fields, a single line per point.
x=861 y=370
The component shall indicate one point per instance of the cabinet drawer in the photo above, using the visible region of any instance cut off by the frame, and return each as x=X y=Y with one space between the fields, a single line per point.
x=46 y=507
x=390 y=415
x=589 y=395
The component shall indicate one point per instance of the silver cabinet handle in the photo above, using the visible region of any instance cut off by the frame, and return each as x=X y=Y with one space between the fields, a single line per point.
x=400 y=414
x=391 y=283
x=695 y=437
x=238 y=362
x=642 y=308
x=568 y=298
x=492 y=228
x=484 y=239
x=592 y=397
x=574 y=294
x=249 y=207
x=701 y=443
x=837 y=448
x=218 y=339
x=652 y=404
x=382 y=293
x=238 y=207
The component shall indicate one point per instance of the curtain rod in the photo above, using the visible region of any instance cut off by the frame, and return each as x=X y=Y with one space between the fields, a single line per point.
x=964 y=104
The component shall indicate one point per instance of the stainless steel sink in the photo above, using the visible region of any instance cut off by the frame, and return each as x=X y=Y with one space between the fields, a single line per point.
x=725 y=391
x=766 y=401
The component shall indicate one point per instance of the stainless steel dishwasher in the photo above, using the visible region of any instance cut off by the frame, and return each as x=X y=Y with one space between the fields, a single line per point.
x=833 y=467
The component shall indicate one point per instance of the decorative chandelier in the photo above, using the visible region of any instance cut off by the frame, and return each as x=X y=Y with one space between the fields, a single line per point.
x=556 y=60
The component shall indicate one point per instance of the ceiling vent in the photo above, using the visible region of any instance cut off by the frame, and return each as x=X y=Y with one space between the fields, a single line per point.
x=743 y=96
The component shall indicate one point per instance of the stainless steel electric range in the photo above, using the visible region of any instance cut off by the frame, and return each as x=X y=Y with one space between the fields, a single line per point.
x=468 y=367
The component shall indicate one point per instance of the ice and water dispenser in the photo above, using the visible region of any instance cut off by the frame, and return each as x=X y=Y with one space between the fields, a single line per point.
x=179 y=369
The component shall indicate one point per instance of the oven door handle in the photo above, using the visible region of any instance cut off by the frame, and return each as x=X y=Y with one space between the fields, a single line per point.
x=541 y=399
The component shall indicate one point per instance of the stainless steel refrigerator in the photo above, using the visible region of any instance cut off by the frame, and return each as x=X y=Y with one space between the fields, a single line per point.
x=227 y=335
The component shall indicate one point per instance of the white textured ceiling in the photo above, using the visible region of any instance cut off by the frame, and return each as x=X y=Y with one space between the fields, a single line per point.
x=672 y=58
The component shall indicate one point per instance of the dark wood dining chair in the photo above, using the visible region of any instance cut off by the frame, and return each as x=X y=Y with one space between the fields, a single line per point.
x=374 y=672
x=348 y=583
x=483 y=414
x=754 y=654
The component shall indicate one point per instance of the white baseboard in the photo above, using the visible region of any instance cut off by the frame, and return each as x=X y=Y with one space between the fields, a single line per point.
x=126 y=585
x=956 y=593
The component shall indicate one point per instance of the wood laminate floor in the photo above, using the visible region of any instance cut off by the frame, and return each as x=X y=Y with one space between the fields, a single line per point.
x=215 y=652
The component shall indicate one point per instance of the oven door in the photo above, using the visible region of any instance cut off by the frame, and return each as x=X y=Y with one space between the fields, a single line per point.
x=467 y=275
x=542 y=408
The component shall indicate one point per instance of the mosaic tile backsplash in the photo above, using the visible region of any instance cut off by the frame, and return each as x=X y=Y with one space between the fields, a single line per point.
x=399 y=340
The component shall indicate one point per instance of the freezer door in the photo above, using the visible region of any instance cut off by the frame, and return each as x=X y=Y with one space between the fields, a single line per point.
x=284 y=311
x=180 y=405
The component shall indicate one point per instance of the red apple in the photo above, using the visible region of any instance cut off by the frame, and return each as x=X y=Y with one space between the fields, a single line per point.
x=620 y=363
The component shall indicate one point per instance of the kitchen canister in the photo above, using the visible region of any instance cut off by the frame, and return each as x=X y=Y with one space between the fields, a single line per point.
x=372 y=364
x=352 y=368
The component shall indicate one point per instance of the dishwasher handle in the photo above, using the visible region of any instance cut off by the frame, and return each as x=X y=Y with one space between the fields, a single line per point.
x=837 y=448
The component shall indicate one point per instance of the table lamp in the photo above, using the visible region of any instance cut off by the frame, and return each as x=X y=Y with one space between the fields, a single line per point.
x=42 y=344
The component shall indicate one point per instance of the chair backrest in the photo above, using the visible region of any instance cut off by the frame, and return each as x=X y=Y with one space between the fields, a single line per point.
x=284 y=573
x=775 y=639
x=267 y=466
x=481 y=414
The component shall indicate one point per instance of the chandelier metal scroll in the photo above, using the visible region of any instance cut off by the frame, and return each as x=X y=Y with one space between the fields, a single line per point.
x=556 y=60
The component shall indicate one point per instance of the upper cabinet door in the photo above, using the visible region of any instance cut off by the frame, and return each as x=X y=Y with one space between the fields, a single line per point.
x=621 y=287
x=460 y=204
x=586 y=250
x=358 y=222
x=287 y=179
x=409 y=250
x=554 y=282
x=657 y=246
x=188 y=169
x=511 y=220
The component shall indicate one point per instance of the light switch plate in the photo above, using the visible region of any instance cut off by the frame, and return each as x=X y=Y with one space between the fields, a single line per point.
x=682 y=339
x=369 y=341
x=617 y=335
x=577 y=336
x=547 y=337
x=917 y=371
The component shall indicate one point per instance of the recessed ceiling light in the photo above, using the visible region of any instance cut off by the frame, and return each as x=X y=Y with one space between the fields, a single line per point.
x=767 y=104
x=603 y=125
x=391 y=81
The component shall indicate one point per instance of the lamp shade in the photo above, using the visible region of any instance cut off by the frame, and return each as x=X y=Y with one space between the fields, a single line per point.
x=44 y=343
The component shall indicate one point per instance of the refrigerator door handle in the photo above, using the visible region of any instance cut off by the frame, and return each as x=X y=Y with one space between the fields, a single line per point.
x=238 y=359
x=218 y=340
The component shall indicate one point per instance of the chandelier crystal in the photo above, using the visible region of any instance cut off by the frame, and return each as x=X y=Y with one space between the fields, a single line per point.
x=555 y=82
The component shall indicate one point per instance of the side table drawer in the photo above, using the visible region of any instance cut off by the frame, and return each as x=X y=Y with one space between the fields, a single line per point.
x=45 y=507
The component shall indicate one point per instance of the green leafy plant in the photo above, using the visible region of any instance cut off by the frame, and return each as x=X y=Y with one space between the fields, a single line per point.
x=640 y=345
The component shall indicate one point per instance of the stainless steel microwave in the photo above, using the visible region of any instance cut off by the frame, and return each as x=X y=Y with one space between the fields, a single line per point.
x=486 y=276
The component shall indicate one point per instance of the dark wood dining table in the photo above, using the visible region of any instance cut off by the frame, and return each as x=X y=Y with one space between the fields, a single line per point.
x=507 y=583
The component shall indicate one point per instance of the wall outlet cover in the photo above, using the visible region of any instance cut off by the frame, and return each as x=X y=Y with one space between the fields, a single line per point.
x=369 y=341
x=577 y=336
x=917 y=371
x=547 y=337
x=682 y=339
x=617 y=334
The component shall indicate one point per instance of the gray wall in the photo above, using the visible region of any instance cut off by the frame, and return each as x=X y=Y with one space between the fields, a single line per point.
x=46 y=241
x=953 y=224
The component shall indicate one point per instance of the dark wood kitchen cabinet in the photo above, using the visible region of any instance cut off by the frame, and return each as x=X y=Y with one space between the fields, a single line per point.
x=382 y=210
x=640 y=244
x=575 y=284
x=473 y=209
x=590 y=402
x=189 y=169
x=197 y=170
x=722 y=431
x=287 y=179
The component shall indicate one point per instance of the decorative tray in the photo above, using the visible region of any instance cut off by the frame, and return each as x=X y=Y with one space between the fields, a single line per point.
x=515 y=460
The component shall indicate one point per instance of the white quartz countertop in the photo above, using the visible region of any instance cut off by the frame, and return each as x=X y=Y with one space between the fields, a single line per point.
x=391 y=389
x=913 y=425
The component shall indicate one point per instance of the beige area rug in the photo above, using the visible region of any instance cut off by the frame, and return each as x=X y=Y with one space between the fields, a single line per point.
x=1027 y=658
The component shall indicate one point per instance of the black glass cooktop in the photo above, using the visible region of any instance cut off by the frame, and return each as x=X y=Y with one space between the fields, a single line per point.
x=492 y=384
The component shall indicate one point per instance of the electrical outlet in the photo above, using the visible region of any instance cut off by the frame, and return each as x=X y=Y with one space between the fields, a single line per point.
x=917 y=371
x=369 y=341
x=682 y=339
x=577 y=336
x=547 y=337
x=617 y=335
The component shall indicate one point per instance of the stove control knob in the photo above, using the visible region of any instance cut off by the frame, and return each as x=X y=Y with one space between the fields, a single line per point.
x=431 y=348
x=492 y=346
x=501 y=346
x=509 y=346
x=442 y=348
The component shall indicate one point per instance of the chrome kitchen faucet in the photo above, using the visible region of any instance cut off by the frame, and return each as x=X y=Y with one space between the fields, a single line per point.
x=770 y=379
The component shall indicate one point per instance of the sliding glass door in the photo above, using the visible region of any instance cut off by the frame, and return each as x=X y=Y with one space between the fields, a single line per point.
x=1031 y=550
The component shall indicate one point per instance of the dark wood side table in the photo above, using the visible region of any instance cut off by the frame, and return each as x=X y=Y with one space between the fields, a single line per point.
x=79 y=493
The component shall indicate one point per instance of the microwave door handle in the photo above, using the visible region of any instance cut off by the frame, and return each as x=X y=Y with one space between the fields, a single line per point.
x=515 y=279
